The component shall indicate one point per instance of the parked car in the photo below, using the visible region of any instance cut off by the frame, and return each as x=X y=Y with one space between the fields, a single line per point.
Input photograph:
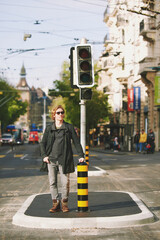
x=33 y=137
x=7 y=138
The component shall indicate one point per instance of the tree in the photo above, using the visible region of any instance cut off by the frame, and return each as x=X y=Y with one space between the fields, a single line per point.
x=97 y=108
x=11 y=106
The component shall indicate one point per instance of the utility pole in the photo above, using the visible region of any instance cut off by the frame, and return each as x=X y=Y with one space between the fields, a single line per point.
x=44 y=114
x=83 y=124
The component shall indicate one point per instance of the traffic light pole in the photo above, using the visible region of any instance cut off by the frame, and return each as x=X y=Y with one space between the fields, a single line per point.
x=83 y=124
x=82 y=75
x=44 y=114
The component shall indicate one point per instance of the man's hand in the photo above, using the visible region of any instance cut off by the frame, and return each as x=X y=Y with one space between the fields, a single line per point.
x=81 y=160
x=46 y=159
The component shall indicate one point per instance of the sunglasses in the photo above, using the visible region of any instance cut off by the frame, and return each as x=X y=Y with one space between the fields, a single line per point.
x=58 y=113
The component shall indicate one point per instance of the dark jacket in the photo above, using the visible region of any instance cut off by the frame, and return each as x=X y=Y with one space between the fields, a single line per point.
x=47 y=144
x=136 y=138
x=151 y=138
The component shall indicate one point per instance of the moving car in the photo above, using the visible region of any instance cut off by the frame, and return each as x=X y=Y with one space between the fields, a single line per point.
x=7 y=138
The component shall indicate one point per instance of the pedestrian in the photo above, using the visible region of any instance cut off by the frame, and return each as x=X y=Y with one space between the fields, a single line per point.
x=142 y=140
x=151 y=140
x=57 y=155
x=116 y=144
x=136 y=140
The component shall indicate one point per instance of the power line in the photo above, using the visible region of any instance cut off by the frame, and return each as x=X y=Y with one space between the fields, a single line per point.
x=61 y=8
x=93 y=4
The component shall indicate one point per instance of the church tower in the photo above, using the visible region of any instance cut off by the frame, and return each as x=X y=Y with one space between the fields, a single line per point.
x=24 y=91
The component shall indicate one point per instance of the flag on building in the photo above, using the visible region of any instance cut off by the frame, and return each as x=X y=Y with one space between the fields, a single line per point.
x=137 y=98
x=130 y=100
x=157 y=91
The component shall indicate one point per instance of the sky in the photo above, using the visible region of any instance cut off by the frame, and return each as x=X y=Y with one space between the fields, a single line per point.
x=55 y=26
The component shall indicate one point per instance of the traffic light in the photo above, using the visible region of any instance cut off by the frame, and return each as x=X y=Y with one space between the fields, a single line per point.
x=72 y=68
x=85 y=93
x=84 y=66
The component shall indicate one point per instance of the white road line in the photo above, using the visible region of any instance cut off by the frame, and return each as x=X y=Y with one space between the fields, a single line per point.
x=24 y=156
x=9 y=151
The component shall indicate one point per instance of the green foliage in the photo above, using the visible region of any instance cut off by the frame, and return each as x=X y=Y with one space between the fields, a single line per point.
x=11 y=107
x=96 y=109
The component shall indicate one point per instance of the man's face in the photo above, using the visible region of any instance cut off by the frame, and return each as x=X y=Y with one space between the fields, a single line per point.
x=59 y=114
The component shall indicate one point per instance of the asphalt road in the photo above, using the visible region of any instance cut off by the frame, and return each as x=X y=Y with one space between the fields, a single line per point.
x=20 y=178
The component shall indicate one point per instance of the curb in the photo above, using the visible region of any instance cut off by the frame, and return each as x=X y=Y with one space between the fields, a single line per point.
x=144 y=217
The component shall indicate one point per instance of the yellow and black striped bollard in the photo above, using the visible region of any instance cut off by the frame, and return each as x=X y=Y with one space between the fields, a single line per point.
x=82 y=184
x=87 y=155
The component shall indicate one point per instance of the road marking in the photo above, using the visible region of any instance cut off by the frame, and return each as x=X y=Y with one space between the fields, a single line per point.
x=24 y=156
x=91 y=155
x=8 y=168
x=18 y=155
x=9 y=151
x=2 y=156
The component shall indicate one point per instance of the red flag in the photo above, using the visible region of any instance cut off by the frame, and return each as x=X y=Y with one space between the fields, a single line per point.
x=130 y=100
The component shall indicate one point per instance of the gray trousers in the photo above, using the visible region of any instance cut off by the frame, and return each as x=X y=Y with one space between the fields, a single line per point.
x=53 y=169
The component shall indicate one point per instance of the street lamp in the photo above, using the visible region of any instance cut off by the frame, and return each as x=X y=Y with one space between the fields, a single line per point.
x=26 y=36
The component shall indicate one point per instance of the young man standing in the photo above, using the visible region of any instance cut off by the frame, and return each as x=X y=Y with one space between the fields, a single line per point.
x=56 y=151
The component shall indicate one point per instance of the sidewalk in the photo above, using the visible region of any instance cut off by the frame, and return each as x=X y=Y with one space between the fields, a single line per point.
x=110 y=151
x=121 y=152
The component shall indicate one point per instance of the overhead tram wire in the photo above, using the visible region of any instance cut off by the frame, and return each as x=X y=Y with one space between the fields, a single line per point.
x=66 y=8
x=21 y=51
x=93 y=4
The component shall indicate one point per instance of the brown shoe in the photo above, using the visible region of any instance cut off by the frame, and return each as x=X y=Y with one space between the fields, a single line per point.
x=64 y=203
x=56 y=206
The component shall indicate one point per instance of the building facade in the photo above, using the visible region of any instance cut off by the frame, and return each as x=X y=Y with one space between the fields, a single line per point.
x=131 y=44
x=35 y=98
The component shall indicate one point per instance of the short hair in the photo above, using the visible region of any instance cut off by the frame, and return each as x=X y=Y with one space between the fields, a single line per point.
x=53 y=112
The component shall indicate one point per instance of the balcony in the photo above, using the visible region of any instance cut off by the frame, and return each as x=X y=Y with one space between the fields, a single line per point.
x=109 y=38
x=148 y=29
x=108 y=62
x=121 y=21
x=108 y=14
x=147 y=64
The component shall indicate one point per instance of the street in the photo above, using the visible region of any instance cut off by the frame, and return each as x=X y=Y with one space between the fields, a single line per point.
x=129 y=172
